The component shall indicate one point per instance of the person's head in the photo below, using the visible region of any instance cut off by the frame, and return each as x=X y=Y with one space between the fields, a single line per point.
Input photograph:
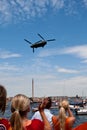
x=48 y=102
x=20 y=106
x=64 y=104
x=63 y=107
x=3 y=94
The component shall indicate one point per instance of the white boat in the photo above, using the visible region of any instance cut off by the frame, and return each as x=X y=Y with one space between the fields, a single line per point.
x=81 y=111
x=34 y=109
x=72 y=107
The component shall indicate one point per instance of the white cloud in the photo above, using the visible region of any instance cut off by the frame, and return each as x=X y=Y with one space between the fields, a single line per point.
x=50 y=52
x=42 y=82
x=6 y=67
x=21 y=10
x=7 y=54
x=4 y=12
x=84 y=61
x=58 y=4
x=77 y=51
x=85 y=2
x=67 y=71
x=71 y=7
x=79 y=81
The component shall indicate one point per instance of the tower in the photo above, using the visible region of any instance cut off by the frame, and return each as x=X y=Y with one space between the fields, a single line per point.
x=32 y=88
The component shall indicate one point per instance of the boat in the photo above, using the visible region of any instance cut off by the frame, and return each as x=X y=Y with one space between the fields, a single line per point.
x=34 y=109
x=81 y=111
x=72 y=107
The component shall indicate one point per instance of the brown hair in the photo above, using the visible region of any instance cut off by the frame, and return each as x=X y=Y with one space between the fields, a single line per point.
x=48 y=102
x=3 y=94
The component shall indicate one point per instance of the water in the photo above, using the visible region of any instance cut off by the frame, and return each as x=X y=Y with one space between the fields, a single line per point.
x=79 y=119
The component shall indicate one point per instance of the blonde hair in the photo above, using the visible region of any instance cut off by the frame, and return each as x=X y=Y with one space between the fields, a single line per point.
x=62 y=113
x=20 y=105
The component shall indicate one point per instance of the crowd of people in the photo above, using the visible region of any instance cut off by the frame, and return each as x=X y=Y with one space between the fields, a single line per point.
x=43 y=119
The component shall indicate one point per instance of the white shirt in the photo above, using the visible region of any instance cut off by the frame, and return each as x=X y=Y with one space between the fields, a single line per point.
x=48 y=115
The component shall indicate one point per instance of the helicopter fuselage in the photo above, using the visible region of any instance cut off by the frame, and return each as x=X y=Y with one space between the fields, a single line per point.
x=40 y=44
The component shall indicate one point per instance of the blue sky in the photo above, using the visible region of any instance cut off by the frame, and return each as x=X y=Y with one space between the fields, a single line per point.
x=60 y=68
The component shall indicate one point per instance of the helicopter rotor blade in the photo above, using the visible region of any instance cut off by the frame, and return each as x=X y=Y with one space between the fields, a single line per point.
x=50 y=40
x=27 y=41
x=38 y=41
x=40 y=36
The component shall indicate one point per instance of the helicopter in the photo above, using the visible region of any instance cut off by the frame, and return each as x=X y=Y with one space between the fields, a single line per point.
x=40 y=43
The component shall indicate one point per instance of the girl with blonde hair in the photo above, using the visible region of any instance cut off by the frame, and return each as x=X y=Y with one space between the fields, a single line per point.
x=20 y=106
x=64 y=121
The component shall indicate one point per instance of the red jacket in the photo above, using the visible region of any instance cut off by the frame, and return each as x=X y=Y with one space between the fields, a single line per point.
x=5 y=124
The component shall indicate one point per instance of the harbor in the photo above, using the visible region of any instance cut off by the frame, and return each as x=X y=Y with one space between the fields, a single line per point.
x=77 y=104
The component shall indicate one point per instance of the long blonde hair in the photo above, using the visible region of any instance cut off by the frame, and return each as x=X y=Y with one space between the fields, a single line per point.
x=62 y=113
x=20 y=105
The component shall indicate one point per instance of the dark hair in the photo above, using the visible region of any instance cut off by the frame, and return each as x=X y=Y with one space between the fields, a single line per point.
x=48 y=105
x=3 y=94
